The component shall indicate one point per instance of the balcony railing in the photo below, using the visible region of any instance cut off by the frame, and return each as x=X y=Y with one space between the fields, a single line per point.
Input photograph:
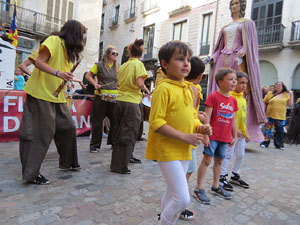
x=29 y=20
x=130 y=14
x=295 y=33
x=113 y=22
x=148 y=5
x=270 y=34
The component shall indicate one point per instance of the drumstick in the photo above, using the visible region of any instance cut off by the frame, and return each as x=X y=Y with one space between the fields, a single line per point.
x=62 y=85
x=107 y=84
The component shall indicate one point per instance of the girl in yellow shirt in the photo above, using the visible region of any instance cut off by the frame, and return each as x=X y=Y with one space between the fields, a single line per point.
x=276 y=103
x=45 y=116
x=172 y=123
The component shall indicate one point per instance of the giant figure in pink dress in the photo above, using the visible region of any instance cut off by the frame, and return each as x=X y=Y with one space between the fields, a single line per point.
x=237 y=48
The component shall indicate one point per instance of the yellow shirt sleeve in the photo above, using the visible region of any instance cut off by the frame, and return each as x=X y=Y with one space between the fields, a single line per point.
x=140 y=71
x=94 y=69
x=158 y=109
x=33 y=56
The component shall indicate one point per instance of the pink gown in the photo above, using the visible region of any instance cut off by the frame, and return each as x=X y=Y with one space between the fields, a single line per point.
x=233 y=38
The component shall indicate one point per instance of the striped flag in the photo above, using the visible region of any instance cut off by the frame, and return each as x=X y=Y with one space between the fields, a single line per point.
x=13 y=31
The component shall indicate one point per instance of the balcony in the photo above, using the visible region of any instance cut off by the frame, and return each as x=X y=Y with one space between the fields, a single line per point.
x=149 y=6
x=30 y=23
x=130 y=15
x=295 y=34
x=270 y=37
x=113 y=22
x=182 y=9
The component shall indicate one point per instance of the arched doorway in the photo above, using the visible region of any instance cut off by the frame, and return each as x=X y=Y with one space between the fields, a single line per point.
x=296 y=82
x=268 y=73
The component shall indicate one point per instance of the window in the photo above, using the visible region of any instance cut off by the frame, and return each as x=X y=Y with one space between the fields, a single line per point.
x=5 y=7
x=100 y=51
x=205 y=35
x=148 y=41
x=61 y=10
x=267 y=12
x=180 y=31
x=132 y=6
x=102 y=22
x=117 y=12
x=267 y=16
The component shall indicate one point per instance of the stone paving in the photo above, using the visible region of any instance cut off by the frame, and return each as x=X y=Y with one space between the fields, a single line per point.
x=96 y=196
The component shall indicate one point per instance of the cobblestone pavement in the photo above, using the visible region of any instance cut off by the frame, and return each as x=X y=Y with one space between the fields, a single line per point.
x=96 y=196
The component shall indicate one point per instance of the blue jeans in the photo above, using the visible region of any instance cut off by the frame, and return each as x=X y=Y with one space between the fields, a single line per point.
x=279 y=132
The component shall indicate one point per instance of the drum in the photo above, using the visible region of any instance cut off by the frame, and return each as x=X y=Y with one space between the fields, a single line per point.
x=109 y=97
x=147 y=106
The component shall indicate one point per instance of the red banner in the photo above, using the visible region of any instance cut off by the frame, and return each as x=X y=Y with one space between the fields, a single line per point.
x=11 y=109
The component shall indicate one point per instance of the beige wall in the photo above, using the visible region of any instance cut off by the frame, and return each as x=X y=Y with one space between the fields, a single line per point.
x=121 y=36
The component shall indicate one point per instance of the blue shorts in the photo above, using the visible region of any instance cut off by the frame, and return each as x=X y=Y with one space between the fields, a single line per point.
x=193 y=163
x=216 y=149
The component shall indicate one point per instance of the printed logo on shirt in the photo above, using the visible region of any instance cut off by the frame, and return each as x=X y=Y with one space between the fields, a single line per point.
x=225 y=114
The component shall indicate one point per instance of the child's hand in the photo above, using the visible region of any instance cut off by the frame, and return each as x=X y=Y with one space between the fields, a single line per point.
x=239 y=133
x=202 y=116
x=247 y=139
x=206 y=141
x=193 y=139
x=232 y=142
x=204 y=129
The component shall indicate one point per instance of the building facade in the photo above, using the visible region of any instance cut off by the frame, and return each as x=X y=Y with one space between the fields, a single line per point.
x=278 y=29
x=157 y=22
x=36 y=19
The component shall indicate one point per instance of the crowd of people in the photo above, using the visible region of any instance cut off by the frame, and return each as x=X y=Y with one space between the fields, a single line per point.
x=235 y=108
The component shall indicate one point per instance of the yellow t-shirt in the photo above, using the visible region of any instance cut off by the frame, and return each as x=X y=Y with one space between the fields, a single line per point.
x=41 y=85
x=241 y=114
x=94 y=69
x=172 y=104
x=127 y=75
x=34 y=55
x=276 y=108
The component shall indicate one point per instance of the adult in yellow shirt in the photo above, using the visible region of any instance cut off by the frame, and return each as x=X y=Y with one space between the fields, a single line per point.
x=276 y=103
x=104 y=103
x=46 y=117
x=131 y=78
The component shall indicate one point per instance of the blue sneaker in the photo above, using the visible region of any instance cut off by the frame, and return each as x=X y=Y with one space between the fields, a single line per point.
x=201 y=196
x=220 y=192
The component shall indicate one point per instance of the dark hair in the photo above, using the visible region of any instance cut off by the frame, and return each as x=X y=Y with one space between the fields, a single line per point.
x=240 y=74
x=293 y=134
x=221 y=73
x=197 y=68
x=72 y=33
x=284 y=89
x=167 y=50
x=243 y=4
x=136 y=48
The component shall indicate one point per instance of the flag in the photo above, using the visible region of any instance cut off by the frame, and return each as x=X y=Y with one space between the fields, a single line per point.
x=13 y=31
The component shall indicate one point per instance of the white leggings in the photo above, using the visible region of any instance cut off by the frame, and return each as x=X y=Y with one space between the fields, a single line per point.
x=239 y=151
x=176 y=197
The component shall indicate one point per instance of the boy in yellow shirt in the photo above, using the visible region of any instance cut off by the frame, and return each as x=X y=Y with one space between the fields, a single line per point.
x=172 y=123
x=238 y=149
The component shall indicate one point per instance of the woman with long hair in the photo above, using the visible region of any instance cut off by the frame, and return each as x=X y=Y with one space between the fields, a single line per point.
x=131 y=78
x=45 y=116
x=237 y=48
x=276 y=103
x=106 y=90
